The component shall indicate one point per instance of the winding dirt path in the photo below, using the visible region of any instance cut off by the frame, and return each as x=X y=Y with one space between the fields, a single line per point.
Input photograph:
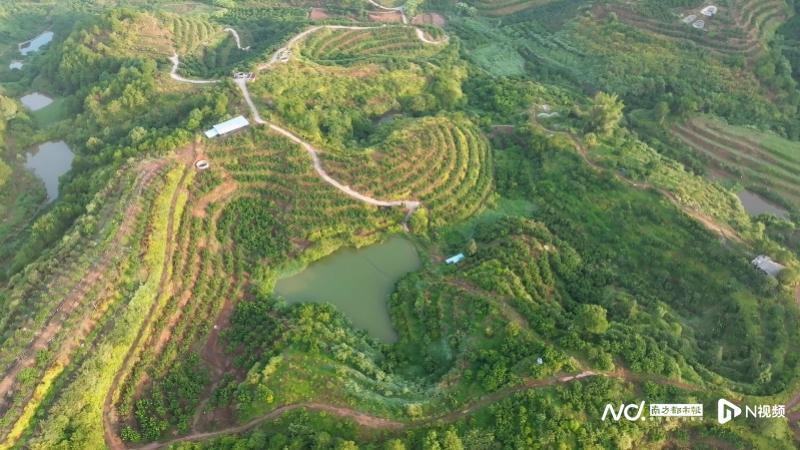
x=722 y=229
x=236 y=38
x=284 y=52
x=401 y=9
x=173 y=73
x=410 y=205
x=381 y=423
x=300 y=36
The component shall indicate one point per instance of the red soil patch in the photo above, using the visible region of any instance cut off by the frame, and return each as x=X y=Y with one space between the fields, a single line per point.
x=318 y=14
x=434 y=19
x=386 y=16
x=219 y=193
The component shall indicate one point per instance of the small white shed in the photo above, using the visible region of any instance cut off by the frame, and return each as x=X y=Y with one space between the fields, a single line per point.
x=455 y=259
x=227 y=126
x=767 y=265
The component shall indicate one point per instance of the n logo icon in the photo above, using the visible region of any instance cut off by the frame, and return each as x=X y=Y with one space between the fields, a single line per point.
x=726 y=411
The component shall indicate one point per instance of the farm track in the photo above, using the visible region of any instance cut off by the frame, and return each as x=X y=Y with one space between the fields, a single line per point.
x=73 y=300
x=722 y=229
x=410 y=205
x=400 y=9
x=381 y=423
x=110 y=418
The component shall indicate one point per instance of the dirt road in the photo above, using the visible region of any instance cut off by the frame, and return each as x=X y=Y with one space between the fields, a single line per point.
x=173 y=73
x=236 y=38
x=374 y=422
x=410 y=205
x=401 y=9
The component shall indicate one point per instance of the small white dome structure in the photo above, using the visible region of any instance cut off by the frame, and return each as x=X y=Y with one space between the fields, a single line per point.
x=709 y=11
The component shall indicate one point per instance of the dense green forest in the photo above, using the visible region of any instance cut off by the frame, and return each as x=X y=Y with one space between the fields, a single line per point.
x=607 y=171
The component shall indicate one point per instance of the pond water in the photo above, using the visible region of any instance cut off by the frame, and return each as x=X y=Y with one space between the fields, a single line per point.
x=49 y=162
x=35 y=101
x=357 y=281
x=36 y=43
x=755 y=205
x=15 y=65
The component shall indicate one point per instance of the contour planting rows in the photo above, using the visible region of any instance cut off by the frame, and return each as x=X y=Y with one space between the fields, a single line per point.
x=57 y=349
x=748 y=23
x=276 y=170
x=345 y=45
x=190 y=33
x=443 y=162
x=744 y=159
x=204 y=279
x=506 y=7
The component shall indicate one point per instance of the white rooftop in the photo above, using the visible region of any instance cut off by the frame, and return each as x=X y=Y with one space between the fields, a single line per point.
x=709 y=10
x=227 y=126
x=455 y=259
x=767 y=265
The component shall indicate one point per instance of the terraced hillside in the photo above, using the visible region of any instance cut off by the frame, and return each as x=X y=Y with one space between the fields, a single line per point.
x=66 y=328
x=138 y=35
x=738 y=29
x=191 y=33
x=765 y=162
x=337 y=46
x=279 y=173
x=506 y=7
x=444 y=163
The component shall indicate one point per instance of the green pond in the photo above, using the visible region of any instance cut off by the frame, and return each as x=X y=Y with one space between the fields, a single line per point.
x=357 y=281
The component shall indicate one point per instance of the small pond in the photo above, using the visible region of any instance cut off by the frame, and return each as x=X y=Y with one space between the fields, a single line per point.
x=357 y=281
x=49 y=162
x=755 y=205
x=36 y=43
x=35 y=101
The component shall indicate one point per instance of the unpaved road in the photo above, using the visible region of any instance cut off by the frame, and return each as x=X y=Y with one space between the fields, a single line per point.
x=236 y=38
x=410 y=205
x=374 y=422
x=298 y=37
x=174 y=73
x=401 y=8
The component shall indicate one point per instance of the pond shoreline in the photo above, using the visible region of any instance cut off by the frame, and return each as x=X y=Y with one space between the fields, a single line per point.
x=357 y=281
